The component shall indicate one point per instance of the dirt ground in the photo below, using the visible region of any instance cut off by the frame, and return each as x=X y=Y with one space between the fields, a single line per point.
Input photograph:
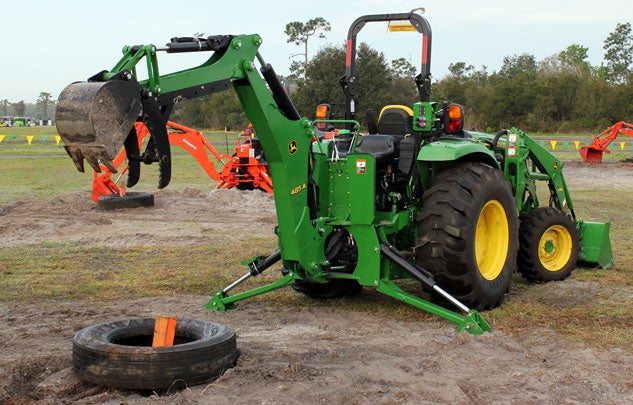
x=289 y=355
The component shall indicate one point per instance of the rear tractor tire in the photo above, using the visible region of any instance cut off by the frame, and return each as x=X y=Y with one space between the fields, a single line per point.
x=549 y=243
x=468 y=234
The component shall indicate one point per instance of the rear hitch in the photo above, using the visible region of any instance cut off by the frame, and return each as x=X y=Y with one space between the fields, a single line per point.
x=471 y=321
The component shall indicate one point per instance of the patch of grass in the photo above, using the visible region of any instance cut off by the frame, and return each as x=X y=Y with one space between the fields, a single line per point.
x=590 y=312
x=35 y=149
x=44 y=177
x=50 y=176
x=43 y=142
x=613 y=276
x=24 y=131
x=597 y=314
x=72 y=271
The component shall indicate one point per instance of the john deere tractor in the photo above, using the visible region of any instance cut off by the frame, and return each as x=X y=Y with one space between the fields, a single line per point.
x=411 y=196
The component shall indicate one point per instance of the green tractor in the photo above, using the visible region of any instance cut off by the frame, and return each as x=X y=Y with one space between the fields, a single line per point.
x=417 y=197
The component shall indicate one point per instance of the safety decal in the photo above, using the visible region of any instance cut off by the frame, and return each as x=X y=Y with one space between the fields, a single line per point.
x=361 y=166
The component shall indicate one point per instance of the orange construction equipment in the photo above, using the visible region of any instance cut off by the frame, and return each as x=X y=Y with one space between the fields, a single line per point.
x=246 y=169
x=593 y=152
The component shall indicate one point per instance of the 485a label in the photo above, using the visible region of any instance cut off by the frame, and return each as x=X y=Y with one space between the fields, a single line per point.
x=298 y=189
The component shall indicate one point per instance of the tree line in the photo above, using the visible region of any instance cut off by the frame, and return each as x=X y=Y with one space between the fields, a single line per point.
x=43 y=108
x=561 y=93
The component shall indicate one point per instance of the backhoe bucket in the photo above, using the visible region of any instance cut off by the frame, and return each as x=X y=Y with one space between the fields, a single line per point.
x=590 y=154
x=595 y=244
x=94 y=118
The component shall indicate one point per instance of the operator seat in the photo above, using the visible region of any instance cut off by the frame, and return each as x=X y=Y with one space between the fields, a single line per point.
x=395 y=120
x=394 y=142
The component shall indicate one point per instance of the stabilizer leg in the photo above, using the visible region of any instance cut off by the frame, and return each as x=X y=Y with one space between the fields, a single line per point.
x=472 y=321
x=222 y=301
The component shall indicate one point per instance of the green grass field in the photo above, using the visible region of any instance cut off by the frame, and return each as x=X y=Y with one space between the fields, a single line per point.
x=43 y=170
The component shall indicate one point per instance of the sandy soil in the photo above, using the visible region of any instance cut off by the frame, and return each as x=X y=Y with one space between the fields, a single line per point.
x=289 y=355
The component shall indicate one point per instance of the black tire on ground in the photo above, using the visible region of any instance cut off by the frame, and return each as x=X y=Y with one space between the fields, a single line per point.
x=130 y=200
x=119 y=354
x=467 y=234
x=337 y=288
x=549 y=243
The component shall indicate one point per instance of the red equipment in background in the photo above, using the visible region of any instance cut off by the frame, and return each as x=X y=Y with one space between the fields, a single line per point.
x=593 y=152
x=246 y=169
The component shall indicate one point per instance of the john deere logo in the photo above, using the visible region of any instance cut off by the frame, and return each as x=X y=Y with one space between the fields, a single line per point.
x=292 y=147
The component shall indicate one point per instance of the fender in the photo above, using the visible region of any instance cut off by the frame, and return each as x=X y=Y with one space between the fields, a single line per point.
x=452 y=150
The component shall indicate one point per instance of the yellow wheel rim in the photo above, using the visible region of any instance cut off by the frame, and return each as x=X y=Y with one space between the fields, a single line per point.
x=554 y=248
x=492 y=239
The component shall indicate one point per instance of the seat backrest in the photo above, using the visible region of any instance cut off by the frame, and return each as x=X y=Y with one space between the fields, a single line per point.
x=395 y=120
x=381 y=147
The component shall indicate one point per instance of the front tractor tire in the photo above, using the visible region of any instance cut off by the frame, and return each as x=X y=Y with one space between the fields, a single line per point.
x=549 y=243
x=468 y=234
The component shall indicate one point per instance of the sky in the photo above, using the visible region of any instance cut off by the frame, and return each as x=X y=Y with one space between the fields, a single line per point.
x=49 y=44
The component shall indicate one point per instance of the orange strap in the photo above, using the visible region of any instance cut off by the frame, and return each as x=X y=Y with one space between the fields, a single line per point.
x=164 y=331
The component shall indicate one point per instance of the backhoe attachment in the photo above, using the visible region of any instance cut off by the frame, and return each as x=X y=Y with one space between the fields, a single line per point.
x=593 y=153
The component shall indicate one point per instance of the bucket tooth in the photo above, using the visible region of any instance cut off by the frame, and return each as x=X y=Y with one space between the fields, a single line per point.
x=77 y=156
x=94 y=118
x=95 y=156
x=109 y=164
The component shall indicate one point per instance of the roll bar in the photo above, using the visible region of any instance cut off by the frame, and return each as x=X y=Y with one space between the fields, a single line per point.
x=423 y=80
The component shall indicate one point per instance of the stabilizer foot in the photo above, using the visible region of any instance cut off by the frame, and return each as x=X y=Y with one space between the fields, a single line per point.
x=474 y=323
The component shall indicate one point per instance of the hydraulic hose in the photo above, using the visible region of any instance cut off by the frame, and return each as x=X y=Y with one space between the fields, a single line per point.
x=256 y=268
x=499 y=134
x=419 y=273
x=279 y=94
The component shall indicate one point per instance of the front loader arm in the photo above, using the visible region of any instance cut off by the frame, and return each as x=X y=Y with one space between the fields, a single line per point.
x=526 y=162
